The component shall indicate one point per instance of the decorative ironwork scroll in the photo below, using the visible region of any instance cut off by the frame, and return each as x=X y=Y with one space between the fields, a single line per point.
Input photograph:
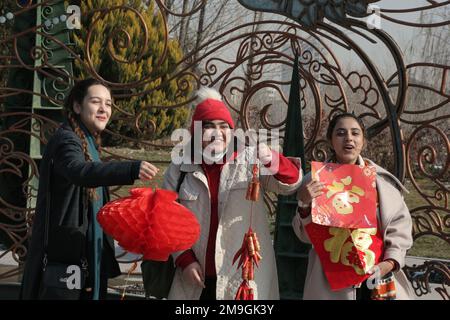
x=404 y=103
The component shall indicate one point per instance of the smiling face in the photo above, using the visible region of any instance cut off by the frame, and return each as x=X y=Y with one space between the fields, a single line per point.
x=95 y=109
x=216 y=135
x=347 y=140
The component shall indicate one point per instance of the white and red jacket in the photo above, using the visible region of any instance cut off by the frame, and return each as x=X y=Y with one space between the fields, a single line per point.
x=216 y=195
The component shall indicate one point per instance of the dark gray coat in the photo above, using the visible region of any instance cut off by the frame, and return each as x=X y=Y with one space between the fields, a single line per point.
x=70 y=175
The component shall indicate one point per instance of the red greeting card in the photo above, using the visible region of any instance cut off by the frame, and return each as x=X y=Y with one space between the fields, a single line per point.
x=350 y=195
x=345 y=254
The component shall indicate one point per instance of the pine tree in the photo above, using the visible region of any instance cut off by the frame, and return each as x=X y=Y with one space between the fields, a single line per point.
x=103 y=51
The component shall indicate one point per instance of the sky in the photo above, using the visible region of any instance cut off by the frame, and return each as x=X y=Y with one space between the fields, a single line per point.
x=403 y=35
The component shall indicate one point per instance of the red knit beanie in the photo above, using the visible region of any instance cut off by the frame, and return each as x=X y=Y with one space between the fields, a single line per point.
x=211 y=107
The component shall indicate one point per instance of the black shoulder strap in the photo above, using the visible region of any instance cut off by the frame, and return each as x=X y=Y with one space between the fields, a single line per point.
x=48 y=205
x=180 y=180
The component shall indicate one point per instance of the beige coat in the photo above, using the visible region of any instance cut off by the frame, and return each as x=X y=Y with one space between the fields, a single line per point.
x=234 y=218
x=396 y=228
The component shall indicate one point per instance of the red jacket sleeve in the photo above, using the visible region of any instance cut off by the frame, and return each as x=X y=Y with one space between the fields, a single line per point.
x=304 y=212
x=288 y=172
x=185 y=259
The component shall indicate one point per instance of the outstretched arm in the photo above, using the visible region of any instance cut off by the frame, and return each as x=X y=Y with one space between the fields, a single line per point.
x=69 y=162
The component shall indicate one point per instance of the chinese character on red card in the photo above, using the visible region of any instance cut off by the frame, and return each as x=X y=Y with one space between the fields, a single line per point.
x=346 y=254
x=350 y=196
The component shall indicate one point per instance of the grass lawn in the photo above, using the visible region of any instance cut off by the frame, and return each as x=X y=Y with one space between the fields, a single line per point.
x=426 y=246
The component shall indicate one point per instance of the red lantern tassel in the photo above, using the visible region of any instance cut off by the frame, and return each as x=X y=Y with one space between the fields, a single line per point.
x=244 y=292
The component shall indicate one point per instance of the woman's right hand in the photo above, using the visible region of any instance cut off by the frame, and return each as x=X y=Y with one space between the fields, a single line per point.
x=193 y=274
x=147 y=171
x=310 y=190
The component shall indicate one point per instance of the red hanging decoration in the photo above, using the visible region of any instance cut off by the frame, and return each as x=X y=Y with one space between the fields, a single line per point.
x=249 y=257
x=249 y=254
x=253 y=186
x=150 y=223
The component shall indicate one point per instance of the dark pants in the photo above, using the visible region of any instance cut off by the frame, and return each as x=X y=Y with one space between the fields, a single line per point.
x=363 y=293
x=87 y=295
x=209 y=292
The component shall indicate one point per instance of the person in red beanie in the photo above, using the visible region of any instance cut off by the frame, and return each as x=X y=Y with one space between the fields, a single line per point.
x=213 y=187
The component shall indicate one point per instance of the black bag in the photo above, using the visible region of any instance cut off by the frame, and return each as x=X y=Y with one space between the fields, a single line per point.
x=158 y=275
x=64 y=272
x=61 y=281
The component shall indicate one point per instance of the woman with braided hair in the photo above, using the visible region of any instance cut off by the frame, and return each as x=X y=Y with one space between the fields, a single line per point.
x=72 y=189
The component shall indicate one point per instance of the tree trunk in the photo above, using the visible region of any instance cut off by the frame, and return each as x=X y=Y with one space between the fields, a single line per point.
x=184 y=26
x=199 y=39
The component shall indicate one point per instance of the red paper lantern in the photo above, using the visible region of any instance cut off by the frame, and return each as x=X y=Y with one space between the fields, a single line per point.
x=150 y=223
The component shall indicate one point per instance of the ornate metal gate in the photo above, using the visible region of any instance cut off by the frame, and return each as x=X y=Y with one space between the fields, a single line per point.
x=404 y=102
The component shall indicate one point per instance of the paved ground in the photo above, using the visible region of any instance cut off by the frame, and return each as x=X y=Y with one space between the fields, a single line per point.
x=133 y=282
x=7 y=263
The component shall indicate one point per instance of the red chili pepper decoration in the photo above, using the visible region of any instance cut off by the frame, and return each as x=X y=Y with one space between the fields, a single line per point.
x=249 y=257
x=253 y=186
x=248 y=254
